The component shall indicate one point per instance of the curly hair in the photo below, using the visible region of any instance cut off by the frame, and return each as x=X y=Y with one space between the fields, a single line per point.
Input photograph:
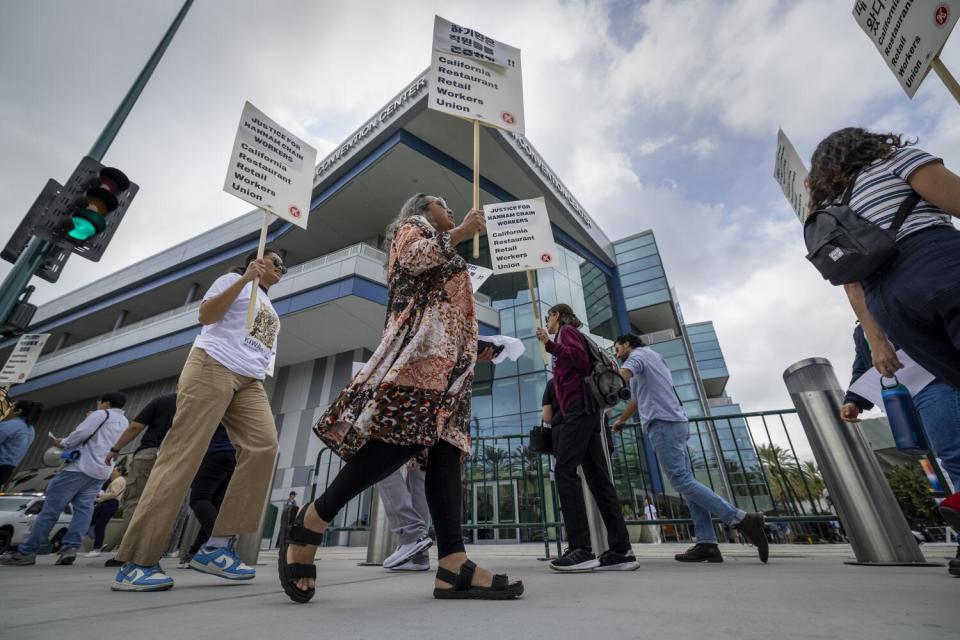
x=414 y=206
x=841 y=155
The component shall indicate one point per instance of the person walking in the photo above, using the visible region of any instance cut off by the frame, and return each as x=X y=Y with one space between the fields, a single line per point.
x=578 y=441
x=655 y=401
x=105 y=505
x=17 y=431
x=404 y=499
x=412 y=394
x=915 y=300
x=153 y=421
x=77 y=483
x=938 y=404
x=209 y=487
x=221 y=381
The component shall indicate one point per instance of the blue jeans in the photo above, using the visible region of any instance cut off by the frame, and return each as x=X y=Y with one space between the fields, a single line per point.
x=67 y=487
x=939 y=406
x=669 y=441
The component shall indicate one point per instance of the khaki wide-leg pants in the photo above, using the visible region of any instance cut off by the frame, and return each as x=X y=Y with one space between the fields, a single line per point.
x=207 y=393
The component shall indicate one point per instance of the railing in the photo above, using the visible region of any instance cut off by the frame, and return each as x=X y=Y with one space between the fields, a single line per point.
x=509 y=494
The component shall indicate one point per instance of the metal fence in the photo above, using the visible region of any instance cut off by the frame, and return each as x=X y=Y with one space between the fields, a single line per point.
x=760 y=461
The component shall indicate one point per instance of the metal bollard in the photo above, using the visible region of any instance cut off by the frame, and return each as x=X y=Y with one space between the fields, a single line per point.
x=865 y=504
x=248 y=544
x=381 y=541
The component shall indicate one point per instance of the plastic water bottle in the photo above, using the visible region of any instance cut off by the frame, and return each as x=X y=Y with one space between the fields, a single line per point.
x=904 y=420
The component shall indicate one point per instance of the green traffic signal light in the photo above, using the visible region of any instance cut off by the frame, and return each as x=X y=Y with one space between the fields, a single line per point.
x=86 y=224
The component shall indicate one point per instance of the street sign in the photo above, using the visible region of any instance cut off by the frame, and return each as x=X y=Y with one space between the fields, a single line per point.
x=24 y=356
x=271 y=168
x=475 y=77
x=909 y=34
x=791 y=174
x=520 y=236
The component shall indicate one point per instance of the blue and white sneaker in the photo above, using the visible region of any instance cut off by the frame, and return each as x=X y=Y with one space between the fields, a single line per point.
x=222 y=562
x=139 y=577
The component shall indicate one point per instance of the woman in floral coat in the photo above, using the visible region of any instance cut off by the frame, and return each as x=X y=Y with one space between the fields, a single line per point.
x=413 y=395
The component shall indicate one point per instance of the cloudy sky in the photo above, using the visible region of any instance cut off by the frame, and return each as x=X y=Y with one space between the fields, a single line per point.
x=659 y=114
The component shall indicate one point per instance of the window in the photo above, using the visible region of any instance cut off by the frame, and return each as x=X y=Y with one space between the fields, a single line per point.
x=642 y=241
x=645 y=287
x=636 y=254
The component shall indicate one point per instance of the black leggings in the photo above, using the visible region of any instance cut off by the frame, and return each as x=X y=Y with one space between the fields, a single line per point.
x=377 y=459
x=207 y=491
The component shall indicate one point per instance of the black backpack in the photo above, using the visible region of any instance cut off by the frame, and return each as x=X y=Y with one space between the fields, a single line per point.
x=603 y=387
x=846 y=248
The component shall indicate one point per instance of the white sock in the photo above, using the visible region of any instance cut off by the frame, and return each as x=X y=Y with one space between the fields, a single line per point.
x=216 y=542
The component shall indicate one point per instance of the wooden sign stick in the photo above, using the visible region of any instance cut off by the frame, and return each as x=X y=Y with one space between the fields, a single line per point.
x=536 y=312
x=952 y=85
x=256 y=281
x=476 y=182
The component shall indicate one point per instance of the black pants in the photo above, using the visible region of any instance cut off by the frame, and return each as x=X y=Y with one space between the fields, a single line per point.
x=6 y=470
x=104 y=512
x=578 y=442
x=917 y=300
x=207 y=491
x=377 y=459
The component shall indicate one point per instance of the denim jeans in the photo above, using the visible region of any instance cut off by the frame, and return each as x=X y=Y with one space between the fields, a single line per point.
x=669 y=441
x=939 y=407
x=67 y=487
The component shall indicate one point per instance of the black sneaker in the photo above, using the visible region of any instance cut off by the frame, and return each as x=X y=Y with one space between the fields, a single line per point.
x=700 y=552
x=954 y=566
x=615 y=561
x=752 y=528
x=573 y=560
x=113 y=562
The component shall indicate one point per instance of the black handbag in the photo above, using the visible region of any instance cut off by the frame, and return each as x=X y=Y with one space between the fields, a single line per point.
x=540 y=440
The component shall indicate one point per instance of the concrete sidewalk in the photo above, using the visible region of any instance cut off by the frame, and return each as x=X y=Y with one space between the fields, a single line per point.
x=804 y=592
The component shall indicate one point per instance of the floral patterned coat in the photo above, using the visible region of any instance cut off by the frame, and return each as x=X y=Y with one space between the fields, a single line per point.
x=417 y=386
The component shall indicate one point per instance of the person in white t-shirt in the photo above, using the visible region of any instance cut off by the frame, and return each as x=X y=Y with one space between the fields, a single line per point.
x=77 y=483
x=222 y=381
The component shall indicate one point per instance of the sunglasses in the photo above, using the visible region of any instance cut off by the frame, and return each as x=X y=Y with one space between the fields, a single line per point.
x=278 y=263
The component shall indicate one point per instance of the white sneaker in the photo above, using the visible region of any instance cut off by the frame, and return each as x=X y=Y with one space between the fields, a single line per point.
x=414 y=564
x=405 y=552
x=92 y=554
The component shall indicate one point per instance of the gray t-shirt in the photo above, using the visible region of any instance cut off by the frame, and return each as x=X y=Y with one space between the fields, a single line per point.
x=651 y=387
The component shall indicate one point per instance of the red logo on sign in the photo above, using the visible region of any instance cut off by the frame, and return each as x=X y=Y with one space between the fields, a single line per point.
x=941 y=14
x=294 y=211
x=508 y=117
x=546 y=258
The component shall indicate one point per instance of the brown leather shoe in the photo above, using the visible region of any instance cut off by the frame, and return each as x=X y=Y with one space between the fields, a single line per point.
x=752 y=528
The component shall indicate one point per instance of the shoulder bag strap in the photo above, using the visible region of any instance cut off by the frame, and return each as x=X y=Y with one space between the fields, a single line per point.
x=906 y=207
x=849 y=190
x=107 y=417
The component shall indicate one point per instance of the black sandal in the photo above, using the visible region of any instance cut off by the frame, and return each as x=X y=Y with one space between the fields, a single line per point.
x=298 y=534
x=501 y=589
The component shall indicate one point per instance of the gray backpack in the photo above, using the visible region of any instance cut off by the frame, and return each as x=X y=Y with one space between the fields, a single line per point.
x=846 y=248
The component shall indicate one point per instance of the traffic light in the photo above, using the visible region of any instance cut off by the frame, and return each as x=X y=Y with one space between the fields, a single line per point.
x=56 y=257
x=86 y=212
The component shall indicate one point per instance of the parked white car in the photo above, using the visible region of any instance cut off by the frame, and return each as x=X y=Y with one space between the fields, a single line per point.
x=17 y=514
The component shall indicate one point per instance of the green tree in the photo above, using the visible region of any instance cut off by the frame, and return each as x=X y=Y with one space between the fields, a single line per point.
x=912 y=490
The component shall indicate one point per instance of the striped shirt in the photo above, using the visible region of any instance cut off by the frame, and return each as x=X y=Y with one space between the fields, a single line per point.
x=882 y=186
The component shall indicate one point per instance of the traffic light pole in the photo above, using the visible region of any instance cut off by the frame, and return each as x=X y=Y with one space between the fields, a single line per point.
x=37 y=249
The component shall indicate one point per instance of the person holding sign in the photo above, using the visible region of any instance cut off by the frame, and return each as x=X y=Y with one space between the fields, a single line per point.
x=578 y=442
x=413 y=394
x=915 y=299
x=222 y=380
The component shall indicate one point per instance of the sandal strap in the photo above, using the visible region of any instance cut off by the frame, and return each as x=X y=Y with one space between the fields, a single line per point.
x=465 y=578
x=301 y=571
x=299 y=534
x=447 y=576
x=500 y=582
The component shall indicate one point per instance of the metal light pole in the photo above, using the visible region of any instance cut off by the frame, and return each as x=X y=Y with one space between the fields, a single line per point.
x=37 y=249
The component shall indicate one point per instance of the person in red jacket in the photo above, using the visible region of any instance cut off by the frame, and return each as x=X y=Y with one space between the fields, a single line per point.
x=578 y=442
